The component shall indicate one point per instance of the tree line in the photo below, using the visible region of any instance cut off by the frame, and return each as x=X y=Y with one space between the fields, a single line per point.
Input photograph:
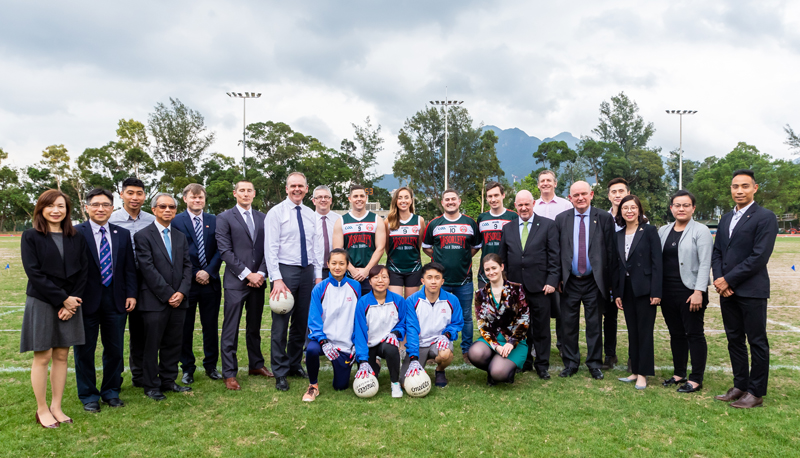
x=174 y=148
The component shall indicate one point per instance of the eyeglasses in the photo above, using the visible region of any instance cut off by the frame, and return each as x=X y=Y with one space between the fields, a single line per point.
x=164 y=207
x=100 y=205
x=322 y=198
x=684 y=206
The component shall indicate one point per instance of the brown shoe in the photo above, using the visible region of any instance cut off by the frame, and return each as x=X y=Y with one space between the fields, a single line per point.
x=261 y=371
x=232 y=384
x=748 y=401
x=732 y=395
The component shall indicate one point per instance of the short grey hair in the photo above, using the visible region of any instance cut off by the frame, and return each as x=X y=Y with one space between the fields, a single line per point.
x=322 y=187
x=547 y=172
x=154 y=200
x=296 y=174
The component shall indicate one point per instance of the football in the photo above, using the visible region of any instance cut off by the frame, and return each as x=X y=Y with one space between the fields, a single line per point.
x=365 y=387
x=418 y=386
x=283 y=304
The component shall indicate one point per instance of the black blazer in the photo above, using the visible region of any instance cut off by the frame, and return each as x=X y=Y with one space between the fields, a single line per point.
x=238 y=249
x=49 y=278
x=644 y=264
x=184 y=223
x=160 y=277
x=742 y=257
x=536 y=264
x=123 y=268
x=602 y=246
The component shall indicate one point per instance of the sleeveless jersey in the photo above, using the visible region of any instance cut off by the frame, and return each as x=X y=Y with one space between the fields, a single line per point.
x=359 y=237
x=452 y=243
x=491 y=228
x=402 y=255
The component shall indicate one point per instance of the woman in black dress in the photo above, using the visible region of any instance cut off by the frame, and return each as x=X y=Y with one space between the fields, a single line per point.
x=55 y=261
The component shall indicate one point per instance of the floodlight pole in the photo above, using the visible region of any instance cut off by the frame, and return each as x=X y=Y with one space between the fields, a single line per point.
x=446 y=104
x=680 y=113
x=244 y=97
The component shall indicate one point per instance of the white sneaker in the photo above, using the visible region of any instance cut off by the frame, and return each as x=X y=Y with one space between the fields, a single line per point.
x=397 y=392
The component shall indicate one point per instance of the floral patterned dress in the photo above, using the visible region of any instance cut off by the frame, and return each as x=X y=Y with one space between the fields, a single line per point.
x=504 y=320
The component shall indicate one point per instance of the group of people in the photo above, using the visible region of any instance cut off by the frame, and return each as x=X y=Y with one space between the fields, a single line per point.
x=158 y=271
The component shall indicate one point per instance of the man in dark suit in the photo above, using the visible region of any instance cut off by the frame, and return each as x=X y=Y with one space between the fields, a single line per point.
x=199 y=228
x=586 y=242
x=166 y=274
x=745 y=239
x=111 y=294
x=529 y=249
x=240 y=238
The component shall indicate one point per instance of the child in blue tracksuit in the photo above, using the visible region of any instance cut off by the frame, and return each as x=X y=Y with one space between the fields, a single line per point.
x=433 y=319
x=379 y=328
x=331 y=319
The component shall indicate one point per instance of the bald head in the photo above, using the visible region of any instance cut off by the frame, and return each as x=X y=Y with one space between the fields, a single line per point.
x=581 y=194
x=523 y=202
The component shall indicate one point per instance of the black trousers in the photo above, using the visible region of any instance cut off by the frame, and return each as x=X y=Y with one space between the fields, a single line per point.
x=289 y=330
x=236 y=301
x=163 y=333
x=640 y=317
x=555 y=313
x=576 y=291
x=539 y=338
x=610 y=326
x=745 y=320
x=392 y=356
x=110 y=324
x=686 y=334
x=205 y=299
x=136 y=344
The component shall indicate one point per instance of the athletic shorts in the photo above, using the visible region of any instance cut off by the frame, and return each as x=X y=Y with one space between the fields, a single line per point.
x=409 y=280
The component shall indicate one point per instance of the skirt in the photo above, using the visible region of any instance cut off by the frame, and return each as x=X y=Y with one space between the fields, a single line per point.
x=43 y=330
x=517 y=355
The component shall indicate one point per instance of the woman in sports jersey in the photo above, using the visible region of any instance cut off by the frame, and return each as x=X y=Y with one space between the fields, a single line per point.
x=331 y=319
x=405 y=233
x=380 y=326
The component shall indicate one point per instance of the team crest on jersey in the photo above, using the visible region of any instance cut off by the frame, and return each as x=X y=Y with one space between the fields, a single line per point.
x=370 y=227
x=445 y=229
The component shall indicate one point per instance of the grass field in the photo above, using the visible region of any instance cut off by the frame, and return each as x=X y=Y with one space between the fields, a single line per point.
x=565 y=417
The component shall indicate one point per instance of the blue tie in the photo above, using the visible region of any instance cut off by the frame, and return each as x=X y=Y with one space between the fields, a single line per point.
x=105 y=258
x=303 y=253
x=201 y=246
x=167 y=243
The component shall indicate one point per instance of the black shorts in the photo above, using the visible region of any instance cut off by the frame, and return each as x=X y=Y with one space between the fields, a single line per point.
x=408 y=280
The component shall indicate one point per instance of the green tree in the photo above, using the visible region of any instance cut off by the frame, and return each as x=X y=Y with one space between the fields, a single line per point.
x=621 y=123
x=179 y=135
x=595 y=154
x=792 y=139
x=219 y=174
x=552 y=154
x=56 y=159
x=362 y=152
x=690 y=167
x=15 y=205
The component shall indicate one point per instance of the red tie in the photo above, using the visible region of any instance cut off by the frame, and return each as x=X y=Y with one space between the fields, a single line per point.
x=582 y=247
x=325 y=238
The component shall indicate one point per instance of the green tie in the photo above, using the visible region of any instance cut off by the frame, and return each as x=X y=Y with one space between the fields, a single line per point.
x=524 y=233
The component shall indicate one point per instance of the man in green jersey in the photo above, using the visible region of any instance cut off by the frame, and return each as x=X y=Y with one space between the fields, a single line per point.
x=363 y=236
x=452 y=240
x=490 y=224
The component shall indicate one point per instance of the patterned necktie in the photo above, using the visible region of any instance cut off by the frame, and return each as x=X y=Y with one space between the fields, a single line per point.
x=167 y=243
x=325 y=238
x=582 y=247
x=524 y=233
x=303 y=252
x=105 y=258
x=201 y=245
x=249 y=221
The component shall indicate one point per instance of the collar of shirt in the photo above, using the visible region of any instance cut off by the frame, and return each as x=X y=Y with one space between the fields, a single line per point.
x=551 y=201
x=587 y=212
x=739 y=213
x=242 y=210
x=502 y=212
x=96 y=227
x=130 y=217
x=192 y=216
x=521 y=222
x=161 y=228
x=444 y=215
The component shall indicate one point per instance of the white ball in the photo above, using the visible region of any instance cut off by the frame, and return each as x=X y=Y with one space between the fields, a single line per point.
x=283 y=304
x=418 y=386
x=366 y=387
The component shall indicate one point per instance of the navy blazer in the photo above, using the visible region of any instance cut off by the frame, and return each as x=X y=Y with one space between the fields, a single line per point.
x=238 y=249
x=644 y=265
x=162 y=277
x=742 y=257
x=48 y=279
x=185 y=223
x=601 y=249
x=123 y=269
x=537 y=263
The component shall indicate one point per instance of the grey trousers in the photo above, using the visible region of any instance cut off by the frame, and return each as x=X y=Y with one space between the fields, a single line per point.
x=286 y=353
x=425 y=353
x=237 y=300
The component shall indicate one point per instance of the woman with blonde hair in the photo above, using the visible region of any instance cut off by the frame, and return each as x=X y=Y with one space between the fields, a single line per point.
x=405 y=232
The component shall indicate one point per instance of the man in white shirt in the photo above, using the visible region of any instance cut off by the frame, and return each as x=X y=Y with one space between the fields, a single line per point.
x=293 y=254
x=326 y=219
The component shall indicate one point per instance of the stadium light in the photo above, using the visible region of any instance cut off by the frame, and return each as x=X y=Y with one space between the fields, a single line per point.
x=446 y=104
x=244 y=97
x=680 y=113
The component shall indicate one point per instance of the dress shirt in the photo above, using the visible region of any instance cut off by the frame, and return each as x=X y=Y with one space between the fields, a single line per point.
x=330 y=219
x=737 y=215
x=246 y=270
x=522 y=226
x=551 y=209
x=192 y=216
x=575 y=232
x=124 y=220
x=282 y=238
x=161 y=235
x=98 y=238
x=614 y=218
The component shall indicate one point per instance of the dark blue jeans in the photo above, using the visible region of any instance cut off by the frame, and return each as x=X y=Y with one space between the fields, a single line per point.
x=464 y=293
x=341 y=366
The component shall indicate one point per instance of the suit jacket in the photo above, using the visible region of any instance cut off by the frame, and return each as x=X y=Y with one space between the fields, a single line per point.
x=160 y=276
x=643 y=266
x=742 y=257
x=694 y=253
x=184 y=223
x=601 y=249
x=48 y=279
x=536 y=264
x=238 y=249
x=123 y=268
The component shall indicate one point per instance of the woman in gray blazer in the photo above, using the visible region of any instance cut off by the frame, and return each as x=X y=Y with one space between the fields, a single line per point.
x=687 y=247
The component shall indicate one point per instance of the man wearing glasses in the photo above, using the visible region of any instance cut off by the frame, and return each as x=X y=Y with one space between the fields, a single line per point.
x=325 y=220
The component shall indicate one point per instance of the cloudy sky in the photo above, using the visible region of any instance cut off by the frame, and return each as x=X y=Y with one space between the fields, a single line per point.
x=70 y=70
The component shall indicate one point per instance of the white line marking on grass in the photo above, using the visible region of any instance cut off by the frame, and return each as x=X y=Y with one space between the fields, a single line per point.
x=785 y=325
x=12 y=311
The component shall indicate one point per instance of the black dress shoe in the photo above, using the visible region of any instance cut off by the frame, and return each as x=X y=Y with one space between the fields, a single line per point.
x=609 y=364
x=93 y=407
x=155 y=395
x=188 y=378
x=281 y=384
x=214 y=374
x=597 y=374
x=114 y=402
x=176 y=388
x=689 y=388
x=298 y=373
x=671 y=381
x=568 y=372
x=544 y=375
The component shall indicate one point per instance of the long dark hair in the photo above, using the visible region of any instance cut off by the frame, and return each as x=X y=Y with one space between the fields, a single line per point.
x=48 y=198
x=496 y=258
x=394 y=213
x=620 y=220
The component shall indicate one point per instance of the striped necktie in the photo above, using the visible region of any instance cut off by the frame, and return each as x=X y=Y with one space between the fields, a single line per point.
x=201 y=246
x=105 y=258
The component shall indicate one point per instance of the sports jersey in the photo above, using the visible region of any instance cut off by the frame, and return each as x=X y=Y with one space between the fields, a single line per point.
x=359 y=237
x=491 y=228
x=452 y=243
x=402 y=254
x=425 y=322
x=374 y=321
x=331 y=314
